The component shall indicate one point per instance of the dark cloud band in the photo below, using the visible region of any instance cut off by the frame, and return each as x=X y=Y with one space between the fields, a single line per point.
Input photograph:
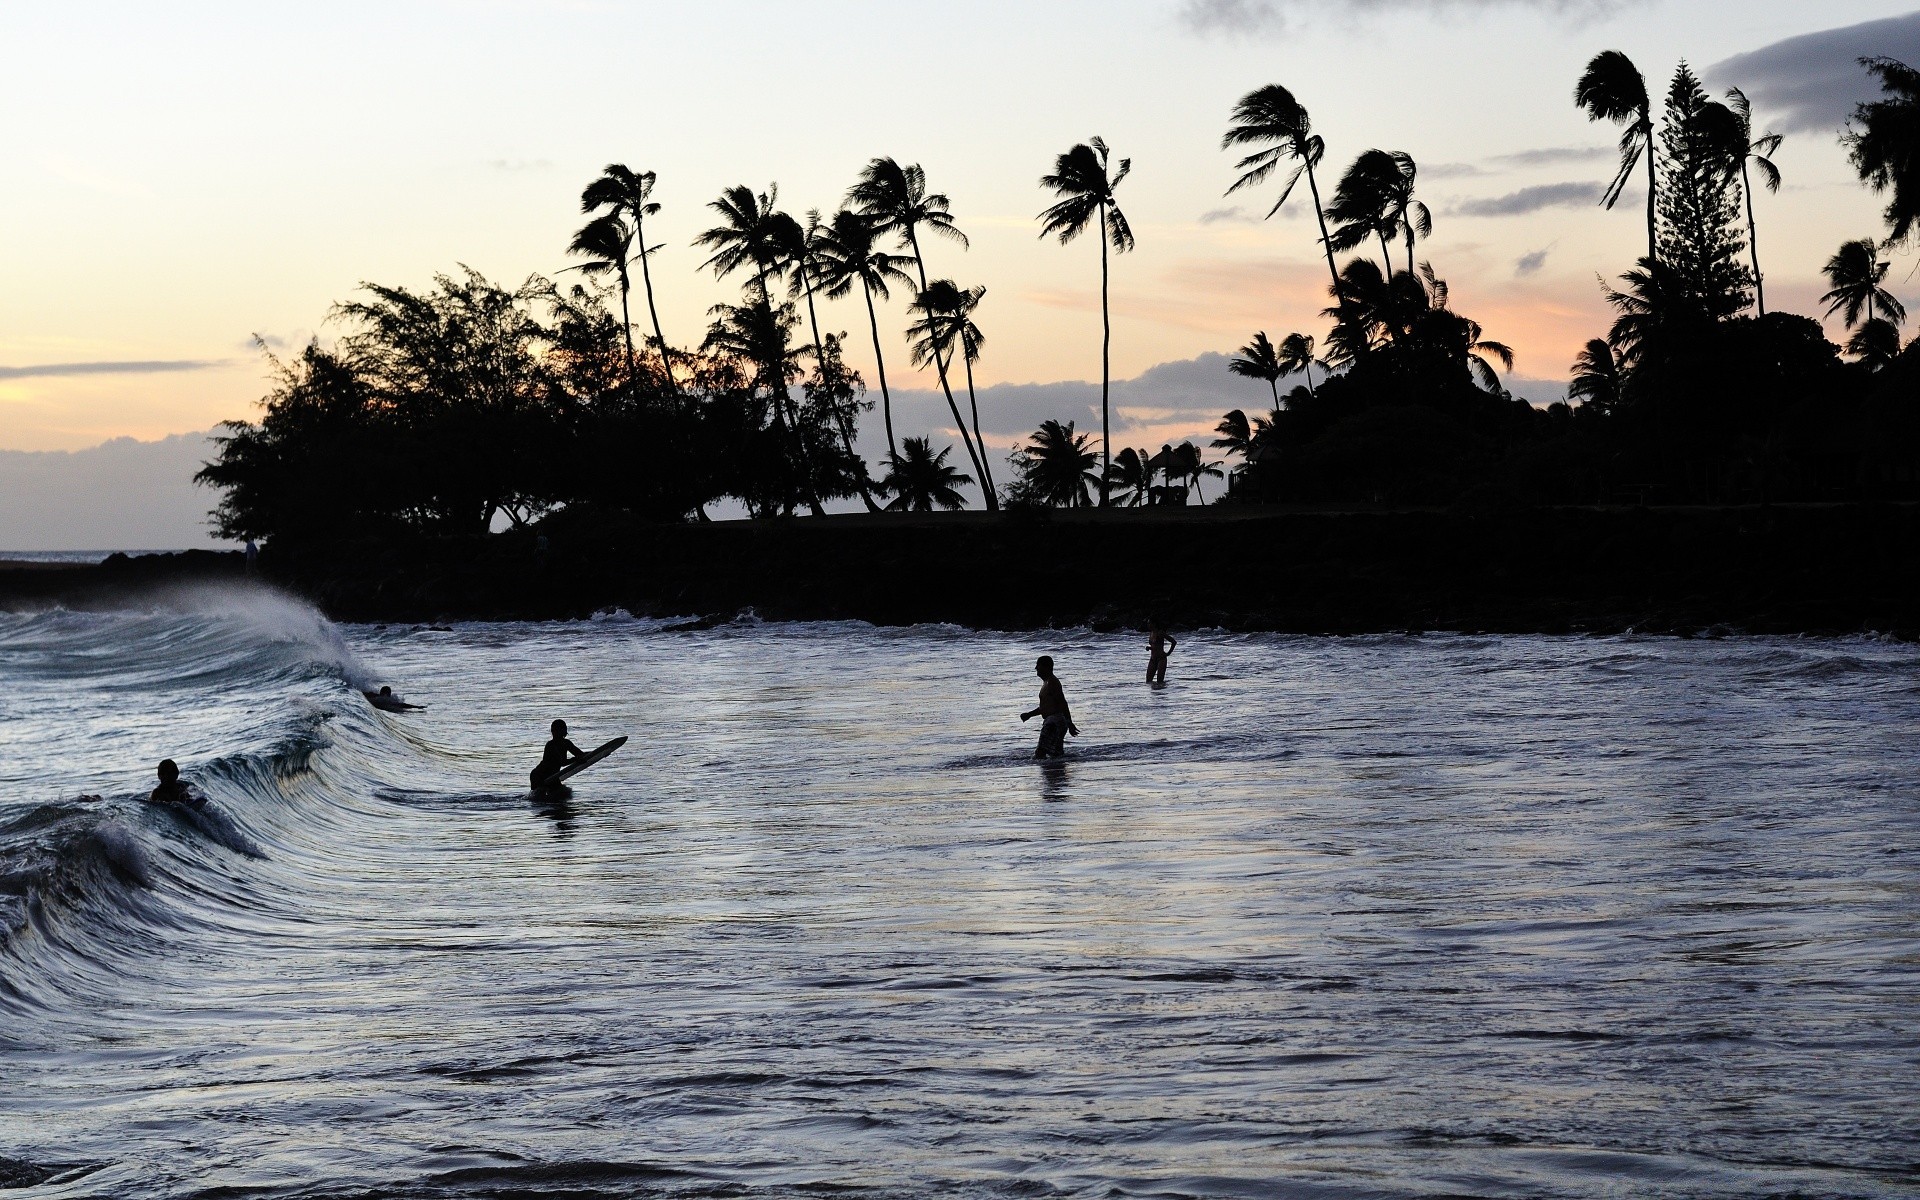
x=1810 y=83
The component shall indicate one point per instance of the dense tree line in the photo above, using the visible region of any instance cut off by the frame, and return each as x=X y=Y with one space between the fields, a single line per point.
x=469 y=403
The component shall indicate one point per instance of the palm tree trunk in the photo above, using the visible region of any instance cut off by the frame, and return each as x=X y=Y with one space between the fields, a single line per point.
x=940 y=366
x=646 y=278
x=1409 y=249
x=1106 y=352
x=1753 y=241
x=1326 y=239
x=974 y=403
x=1386 y=256
x=1309 y=370
x=1273 y=381
x=880 y=361
x=626 y=325
x=1653 y=183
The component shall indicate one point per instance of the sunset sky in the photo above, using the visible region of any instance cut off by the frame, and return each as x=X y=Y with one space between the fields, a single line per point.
x=181 y=177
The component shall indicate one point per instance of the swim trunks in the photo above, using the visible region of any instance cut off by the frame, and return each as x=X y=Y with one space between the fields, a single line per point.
x=1053 y=737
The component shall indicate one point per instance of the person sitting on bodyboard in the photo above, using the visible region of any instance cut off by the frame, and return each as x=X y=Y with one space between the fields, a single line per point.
x=558 y=751
x=1056 y=718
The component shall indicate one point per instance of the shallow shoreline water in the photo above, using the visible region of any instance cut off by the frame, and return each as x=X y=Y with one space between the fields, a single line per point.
x=1380 y=916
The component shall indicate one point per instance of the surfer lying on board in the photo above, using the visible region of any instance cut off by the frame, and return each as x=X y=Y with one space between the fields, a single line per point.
x=1056 y=719
x=172 y=789
x=386 y=701
x=558 y=751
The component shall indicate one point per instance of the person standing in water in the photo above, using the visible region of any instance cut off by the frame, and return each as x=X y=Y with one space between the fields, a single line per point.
x=1160 y=644
x=558 y=751
x=1056 y=719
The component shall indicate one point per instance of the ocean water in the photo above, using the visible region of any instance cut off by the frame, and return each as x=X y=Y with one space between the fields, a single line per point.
x=1393 y=916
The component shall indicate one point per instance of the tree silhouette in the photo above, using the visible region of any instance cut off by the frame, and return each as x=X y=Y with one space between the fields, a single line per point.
x=760 y=335
x=1875 y=344
x=752 y=233
x=1085 y=188
x=1056 y=467
x=1271 y=117
x=1597 y=377
x=847 y=252
x=946 y=330
x=1700 y=235
x=921 y=481
x=1885 y=148
x=1190 y=466
x=1856 y=273
x=1132 y=479
x=1735 y=141
x=1374 y=198
x=1296 y=356
x=1653 y=300
x=1612 y=89
x=1259 y=360
x=628 y=195
x=896 y=201
x=606 y=242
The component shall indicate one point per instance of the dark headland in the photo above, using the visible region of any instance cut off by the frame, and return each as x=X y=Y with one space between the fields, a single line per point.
x=1819 y=569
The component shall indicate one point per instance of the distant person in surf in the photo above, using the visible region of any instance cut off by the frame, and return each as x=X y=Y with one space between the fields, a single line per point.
x=1160 y=644
x=1056 y=719
x=385 y=700
x=558 y=751
x=174 y=790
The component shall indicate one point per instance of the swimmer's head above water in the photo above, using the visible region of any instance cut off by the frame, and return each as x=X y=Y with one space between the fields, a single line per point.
x=169 y=771
x=559 y=729
x=1044 y=668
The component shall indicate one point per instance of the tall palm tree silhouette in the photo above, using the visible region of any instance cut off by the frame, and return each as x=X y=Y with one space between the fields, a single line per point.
x=1883 y=143
x=1297 y=355
x=896 y=200
x=1856 y=273
x=628 y=194
x=846 y=252
x=607 y=244
x=921 y=481
x=1612 y=89
x=1374 y=198
x=946 y=328
x=1085 y=189
x=752 y=233
x=800 y=248
x=1271 y=117
x=1757 y=153
x=1259 y=360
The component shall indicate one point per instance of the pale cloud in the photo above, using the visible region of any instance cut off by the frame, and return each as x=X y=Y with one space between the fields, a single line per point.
x=1235 y=215
x=1546 y=156
x=1530 y=199
x=1531 y=263
x=155 y=367
x=1245 y=18
x=1810 y=83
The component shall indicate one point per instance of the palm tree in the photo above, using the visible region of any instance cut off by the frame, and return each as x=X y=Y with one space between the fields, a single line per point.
x=1742 y=145
x=1875 y=344
x=1259 y=360
x=1612 y=89
x=607 y=243
x=752 y=233
x=1654 y=298
x=1271 y=117
x=1085 y=189
x=1189 y=466
x=1296 y=355
x=896 y=201
x=760 y=334
x=946 y=326
x=628 y=194
x=846 y=252
x=1132 y=478
x=921 y=481
x=1885 y=149
x=1597 y=376
x=1374 y=198
x=1056 y=466
x=1856 y=273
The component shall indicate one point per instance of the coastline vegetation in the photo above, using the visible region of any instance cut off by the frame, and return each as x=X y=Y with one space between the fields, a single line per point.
x=471 y=404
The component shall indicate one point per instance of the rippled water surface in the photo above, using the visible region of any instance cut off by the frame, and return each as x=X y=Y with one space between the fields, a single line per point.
x=1366 y=917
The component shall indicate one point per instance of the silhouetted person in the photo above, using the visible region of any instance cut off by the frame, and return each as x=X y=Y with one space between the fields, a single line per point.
x=386 y=700
x=1160 y=644
x=558 y=751
x=1056 y=719
x=172 y=789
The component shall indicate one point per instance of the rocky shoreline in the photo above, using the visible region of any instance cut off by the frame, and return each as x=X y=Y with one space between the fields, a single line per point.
x=1804 y=569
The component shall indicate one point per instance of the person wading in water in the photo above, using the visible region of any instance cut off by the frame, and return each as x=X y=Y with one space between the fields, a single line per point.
x=1056 y=719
